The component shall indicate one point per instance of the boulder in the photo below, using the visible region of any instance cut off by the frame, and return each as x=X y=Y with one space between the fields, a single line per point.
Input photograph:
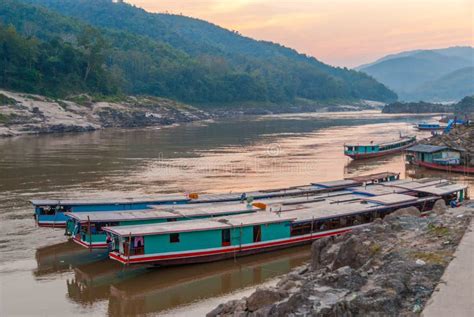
x=439 y=207
x=263 y=297
x=353 y=253
x=409 y=211
x=322 y=253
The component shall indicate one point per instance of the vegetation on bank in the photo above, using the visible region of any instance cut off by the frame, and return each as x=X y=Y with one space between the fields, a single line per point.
x=111 y=49
x=417 y=107
x=462 y=108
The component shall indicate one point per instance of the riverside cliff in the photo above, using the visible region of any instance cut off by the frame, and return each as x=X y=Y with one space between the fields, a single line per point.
x=389 y=268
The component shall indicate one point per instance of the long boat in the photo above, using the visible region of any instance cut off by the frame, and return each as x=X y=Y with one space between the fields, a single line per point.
x=364 y=151
x=86 y=228
x=428 y=126
x=51 y=212
x=220 y=238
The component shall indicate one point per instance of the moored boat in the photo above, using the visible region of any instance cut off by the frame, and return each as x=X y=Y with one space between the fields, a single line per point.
x=439 y=158
x=219 y=238
x=429 y=126
x=86 y=228
x=364 y=151
x=51 y=212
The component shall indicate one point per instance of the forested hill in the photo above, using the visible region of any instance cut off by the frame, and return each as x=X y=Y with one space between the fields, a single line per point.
x=59 y=47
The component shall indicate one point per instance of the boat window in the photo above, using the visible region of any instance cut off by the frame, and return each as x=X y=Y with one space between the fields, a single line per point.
x=300 y=229
x=47 y=211
x=174 y=237
x=225 y=237
x=257 y=234
x=171 y=219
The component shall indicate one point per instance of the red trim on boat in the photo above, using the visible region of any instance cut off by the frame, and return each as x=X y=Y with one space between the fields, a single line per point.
x=125 y=260
x=93 y=246
x=447 y=168
x=52 y=225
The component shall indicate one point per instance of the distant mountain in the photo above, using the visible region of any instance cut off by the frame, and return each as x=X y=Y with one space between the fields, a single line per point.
x=119 y=48
x=432 y=75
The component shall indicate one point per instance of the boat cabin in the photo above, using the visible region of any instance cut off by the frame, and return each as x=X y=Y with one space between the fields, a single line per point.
x=433 y=154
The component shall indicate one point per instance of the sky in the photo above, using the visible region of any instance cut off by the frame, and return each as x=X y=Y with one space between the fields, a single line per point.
x=338 y=32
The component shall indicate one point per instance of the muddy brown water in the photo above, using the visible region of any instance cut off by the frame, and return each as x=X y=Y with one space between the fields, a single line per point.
x=43 y=274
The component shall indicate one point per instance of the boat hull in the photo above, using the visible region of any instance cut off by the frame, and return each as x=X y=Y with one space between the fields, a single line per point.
x=96 y=245
x=202 y=256
x=378 y=154
x=454 y=169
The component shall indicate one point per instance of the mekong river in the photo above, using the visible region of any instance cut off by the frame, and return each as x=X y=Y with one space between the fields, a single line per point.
x=41 y=273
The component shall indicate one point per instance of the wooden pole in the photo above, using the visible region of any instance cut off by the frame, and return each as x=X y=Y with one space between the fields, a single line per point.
x=90 y=233
x=129 y=247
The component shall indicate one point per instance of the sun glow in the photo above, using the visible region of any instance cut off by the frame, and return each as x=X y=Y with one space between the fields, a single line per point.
x=339 y=32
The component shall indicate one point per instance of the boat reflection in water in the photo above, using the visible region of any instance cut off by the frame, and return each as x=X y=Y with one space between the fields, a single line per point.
x=143 y=290
x=61 y=257
x=417 y=172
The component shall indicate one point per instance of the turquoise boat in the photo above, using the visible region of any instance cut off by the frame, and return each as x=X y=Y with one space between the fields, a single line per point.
x=86 y=228
x=364 y=151
x=220 y=238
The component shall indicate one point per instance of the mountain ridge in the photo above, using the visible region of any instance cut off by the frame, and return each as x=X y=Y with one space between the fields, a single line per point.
x=410 y=74
x=210 y=64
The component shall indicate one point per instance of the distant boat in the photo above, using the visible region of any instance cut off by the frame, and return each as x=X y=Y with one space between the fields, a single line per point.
x=439 y=158
x=427 y=126
x=363 y=151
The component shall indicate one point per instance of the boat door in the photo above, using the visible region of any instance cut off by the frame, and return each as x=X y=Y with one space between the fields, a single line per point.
x=257 y=233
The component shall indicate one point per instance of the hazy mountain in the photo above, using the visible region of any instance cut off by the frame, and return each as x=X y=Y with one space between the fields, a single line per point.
x=432 y=75
x=137 y=52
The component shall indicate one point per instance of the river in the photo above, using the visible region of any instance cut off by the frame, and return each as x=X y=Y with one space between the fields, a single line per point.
x=42 y=273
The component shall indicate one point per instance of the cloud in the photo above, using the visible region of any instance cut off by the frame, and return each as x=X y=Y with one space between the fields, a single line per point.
x=340 y=32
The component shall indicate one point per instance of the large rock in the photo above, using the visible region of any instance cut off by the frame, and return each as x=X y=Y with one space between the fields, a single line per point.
x=439 y=207
x=353 y=253
x=322 y=252
x=263 y=297
x=408 y=211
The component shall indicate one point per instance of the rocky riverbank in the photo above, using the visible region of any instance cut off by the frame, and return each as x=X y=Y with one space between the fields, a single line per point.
x=29 y=114
x=389 y=268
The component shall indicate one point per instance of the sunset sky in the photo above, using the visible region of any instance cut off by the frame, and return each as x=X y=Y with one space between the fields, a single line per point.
x=338 y=32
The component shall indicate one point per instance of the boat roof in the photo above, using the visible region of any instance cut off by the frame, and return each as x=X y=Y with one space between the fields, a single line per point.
x=443 y=189
x=426 y=148
x=175 y=211
x=328 y=211
x=199 y=225
x=371 y=177
x=404 y=138
x=416 y=184
x=108 y=201
x=376 y=189
x=106 y=216
x=338 y=183
x=391 y=199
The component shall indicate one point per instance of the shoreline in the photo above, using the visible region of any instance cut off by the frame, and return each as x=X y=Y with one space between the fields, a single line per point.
x=397 y=264
x=25 y=114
